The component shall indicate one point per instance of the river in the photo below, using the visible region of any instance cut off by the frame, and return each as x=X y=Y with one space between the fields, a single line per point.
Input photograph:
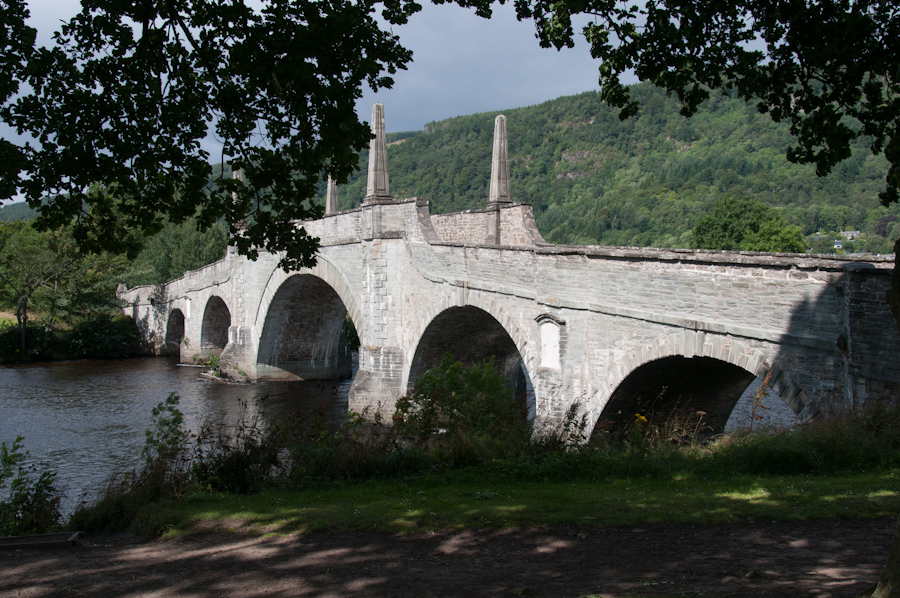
x=86 y=419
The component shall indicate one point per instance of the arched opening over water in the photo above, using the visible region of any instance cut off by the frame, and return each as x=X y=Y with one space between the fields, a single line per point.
x=676 y=387
x=471 y=335
x=175 y=332
x=216 y=322
x=304 y=335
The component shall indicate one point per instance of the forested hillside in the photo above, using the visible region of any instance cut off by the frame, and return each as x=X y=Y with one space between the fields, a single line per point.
x=594 y=179
x=173 y=251
x=16 y=211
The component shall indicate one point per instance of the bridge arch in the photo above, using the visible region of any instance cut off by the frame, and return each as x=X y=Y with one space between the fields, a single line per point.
x=302 y=332
x=714 y=369
x=473 y=330
x=327 y=272
x=174 y=332
x=214 y=328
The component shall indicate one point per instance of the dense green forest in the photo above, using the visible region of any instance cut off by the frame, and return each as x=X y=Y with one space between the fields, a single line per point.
x=17 y=212
x=645 y=181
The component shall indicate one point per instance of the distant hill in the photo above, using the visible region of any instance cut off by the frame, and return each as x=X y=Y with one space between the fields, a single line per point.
x=594 y=179
x=16 y=211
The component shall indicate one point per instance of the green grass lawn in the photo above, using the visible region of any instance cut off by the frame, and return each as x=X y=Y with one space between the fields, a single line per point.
x=469 y=499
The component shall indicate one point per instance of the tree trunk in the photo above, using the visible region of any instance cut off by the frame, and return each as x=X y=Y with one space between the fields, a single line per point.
x=889 y=585
x=22 y=319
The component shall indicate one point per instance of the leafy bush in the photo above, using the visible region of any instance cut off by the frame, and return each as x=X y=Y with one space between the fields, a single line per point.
x=351 y=337
x=103 y=336
x=163 y=473
x=362 y=446
x=33 y=505
x=462 y=411
x=238 y=459
x=10 y=342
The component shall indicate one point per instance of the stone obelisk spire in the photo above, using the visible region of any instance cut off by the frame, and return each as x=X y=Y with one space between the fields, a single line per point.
x=377 y=187
x=500 y=165
x=331 y=205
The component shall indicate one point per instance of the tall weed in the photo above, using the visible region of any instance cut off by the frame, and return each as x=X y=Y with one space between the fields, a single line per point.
x=163 y=473
x=239 y=459
x=33 y=504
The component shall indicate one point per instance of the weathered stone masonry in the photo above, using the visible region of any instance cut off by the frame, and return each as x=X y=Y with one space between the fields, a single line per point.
x=579 y=320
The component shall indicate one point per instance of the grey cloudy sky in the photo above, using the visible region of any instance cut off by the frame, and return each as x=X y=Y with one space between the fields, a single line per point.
x=462 y=64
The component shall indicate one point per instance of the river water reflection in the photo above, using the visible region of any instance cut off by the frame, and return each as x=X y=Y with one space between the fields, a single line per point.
x=87 y=418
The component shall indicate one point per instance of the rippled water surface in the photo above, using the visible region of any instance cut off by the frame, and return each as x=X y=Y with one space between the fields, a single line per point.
x=87 y=418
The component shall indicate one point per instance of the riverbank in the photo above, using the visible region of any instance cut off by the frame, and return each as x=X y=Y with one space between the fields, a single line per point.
x=824 y=558
x=484 y=497
x=103 y=336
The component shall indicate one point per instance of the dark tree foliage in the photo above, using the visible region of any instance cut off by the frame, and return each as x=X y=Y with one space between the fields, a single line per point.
x=883 y=222
x=16 y=44
x=130 y=89
x=828 y=67
x=176 y=249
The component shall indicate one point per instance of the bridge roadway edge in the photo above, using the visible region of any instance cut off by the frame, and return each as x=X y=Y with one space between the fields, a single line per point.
x=820 y=324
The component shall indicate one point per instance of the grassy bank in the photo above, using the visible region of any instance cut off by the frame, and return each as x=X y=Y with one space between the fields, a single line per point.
x=458 y=453
x=478 y=499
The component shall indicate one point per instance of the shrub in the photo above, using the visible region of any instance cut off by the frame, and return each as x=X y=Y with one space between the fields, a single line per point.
x=237 y=459
x=462 y=412
x=10 y=342
x=351 y=337
x=103 y=336
x=33 y=505
x=163 y=473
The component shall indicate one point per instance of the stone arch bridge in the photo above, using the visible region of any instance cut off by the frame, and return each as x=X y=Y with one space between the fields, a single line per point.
x=597 y=326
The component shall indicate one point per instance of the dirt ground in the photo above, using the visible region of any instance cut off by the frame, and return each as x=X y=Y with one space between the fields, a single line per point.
x=819 y=558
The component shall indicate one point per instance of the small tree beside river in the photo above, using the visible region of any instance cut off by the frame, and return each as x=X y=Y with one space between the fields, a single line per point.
x=45 y=273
